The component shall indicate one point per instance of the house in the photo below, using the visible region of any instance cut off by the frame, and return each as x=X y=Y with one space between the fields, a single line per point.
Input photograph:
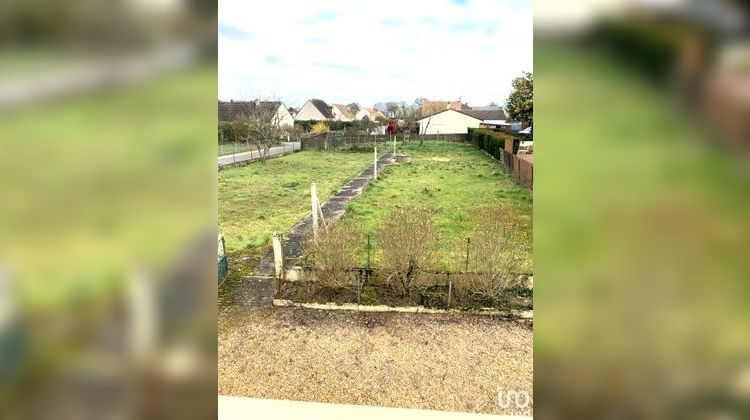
x=342 y=113
x=233 y=110
x=428 y=108
x=315 y=110
x=491 y=116
x=370 y=113
x=448 y=121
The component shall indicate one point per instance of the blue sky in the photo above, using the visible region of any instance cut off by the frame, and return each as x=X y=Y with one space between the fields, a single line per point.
x=370 y=52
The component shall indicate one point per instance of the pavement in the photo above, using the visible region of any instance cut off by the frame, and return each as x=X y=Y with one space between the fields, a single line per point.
x=235 y=408
x=286 y=147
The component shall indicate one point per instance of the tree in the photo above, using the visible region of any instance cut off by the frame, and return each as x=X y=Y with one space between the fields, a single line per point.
x=261 y=127
x=353 y=107
x=520 y=105
x=419 y=101
x=408 y=114
x=380 y=106
x=391 y=108
x=368 y=125
x=493 y=103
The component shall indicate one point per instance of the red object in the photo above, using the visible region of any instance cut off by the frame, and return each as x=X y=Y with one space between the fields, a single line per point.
x=393 y=127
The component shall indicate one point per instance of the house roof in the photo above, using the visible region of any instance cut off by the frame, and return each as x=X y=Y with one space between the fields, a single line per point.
x=432 y=107
x=232 y=110
x=487 y=114
x=344 y=110
x=374 y=113
x=449 y=109
x=322 y=107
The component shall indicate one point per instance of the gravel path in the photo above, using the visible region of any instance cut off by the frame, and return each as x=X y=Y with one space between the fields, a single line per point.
x=442 y=362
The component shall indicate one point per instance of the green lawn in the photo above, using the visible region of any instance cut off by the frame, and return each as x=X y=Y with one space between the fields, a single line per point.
x=451 y=178
x=258 y=199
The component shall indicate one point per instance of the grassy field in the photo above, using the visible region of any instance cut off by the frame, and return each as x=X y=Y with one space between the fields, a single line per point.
x=452 y=179
x=258 y=199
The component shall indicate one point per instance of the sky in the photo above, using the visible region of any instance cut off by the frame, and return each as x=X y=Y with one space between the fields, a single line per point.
x=373 y=51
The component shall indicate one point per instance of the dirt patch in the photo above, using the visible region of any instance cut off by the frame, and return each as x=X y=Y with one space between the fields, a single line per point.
x=452 y=362
x=440 y=159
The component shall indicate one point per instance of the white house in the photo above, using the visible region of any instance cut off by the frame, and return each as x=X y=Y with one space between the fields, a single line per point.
x=448 y=121
x=232 y=110
x=315 y=110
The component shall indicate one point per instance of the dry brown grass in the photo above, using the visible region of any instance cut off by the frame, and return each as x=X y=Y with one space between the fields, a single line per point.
x=335 y=254
x=407 y=240
x=498 y=249
x=452 y=362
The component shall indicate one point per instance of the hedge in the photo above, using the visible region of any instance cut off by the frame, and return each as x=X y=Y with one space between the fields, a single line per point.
x=334 y=125
x=492 y=142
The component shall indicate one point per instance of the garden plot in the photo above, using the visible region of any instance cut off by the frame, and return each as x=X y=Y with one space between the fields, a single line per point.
x=259 y=199
x=449 y=210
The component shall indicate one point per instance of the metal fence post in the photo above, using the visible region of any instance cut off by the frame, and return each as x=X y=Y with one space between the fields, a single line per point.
x=468 y=242
x=314 y=209
x=368 y=253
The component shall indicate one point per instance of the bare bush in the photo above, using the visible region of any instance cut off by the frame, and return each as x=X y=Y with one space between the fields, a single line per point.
x=497 y=251
x=335 y=254
x=407 y=239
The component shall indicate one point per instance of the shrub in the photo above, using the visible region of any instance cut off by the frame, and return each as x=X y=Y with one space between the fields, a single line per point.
x=229 y=132
x=320 y=127
x=497 y=250
x=490 y=141
x=332 y=125
x=335 y=255
x=407 y=240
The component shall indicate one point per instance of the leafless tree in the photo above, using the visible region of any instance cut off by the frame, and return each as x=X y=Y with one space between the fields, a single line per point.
x=260 y=126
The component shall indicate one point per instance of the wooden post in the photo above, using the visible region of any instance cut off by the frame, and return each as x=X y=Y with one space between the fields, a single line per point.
x=375 y=163
x=450 y=290
x=278 y=255
x=314 y=209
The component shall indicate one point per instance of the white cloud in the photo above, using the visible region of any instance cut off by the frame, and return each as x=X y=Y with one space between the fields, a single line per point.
x=371 y=52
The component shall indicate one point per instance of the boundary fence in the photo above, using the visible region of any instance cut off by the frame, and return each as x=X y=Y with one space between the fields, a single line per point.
x=365 y=141
x=504 y=147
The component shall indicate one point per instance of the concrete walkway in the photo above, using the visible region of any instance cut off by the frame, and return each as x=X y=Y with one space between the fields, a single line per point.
x=294 y=242
x=236 y=408
x=286 y=147
x=259 y=290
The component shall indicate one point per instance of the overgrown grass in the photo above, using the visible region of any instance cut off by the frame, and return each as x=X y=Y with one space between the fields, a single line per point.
x=258 y=199
x=452 y=179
